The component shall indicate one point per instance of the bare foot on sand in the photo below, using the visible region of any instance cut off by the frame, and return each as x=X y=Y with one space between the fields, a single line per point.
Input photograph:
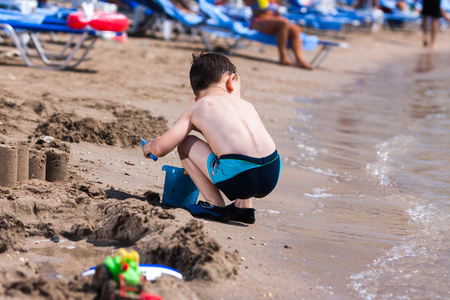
x=285 y=62
x=303 y=65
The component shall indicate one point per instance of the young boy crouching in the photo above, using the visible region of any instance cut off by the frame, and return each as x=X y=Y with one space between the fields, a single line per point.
x=237 y=155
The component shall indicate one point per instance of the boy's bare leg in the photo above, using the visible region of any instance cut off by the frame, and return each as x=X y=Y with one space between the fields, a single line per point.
x=243 y=203
x=194 y=154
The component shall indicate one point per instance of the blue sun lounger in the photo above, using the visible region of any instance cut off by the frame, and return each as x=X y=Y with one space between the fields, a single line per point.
x=139 y=14
x=221 y=25
x=23 y=28
x=325 y=17
x=397 y=18
x=167 y=14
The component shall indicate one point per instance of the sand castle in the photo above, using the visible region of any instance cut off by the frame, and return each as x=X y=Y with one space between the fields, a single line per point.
x=8 y=165
x=19 y=163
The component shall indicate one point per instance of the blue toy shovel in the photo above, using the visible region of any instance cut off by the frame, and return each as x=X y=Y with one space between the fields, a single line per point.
x=143 y=142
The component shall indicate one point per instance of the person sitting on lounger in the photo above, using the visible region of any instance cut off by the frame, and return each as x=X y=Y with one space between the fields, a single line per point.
x=237 y=155
x=267 y=19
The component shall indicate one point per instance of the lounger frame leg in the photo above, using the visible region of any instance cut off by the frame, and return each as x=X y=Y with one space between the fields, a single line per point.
x=18 y=43
x=205 y=40
x=320 y=56
x=232 y=47
x=52 y=65
x=61 y=55
x=66 y=63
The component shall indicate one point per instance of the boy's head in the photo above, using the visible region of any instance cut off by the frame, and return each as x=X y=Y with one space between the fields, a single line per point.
x=208 y=68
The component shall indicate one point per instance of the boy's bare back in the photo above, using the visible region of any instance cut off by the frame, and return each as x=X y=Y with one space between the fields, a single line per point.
x=231 y=125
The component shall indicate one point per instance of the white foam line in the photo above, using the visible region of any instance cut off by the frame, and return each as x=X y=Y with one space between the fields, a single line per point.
x=318 y=195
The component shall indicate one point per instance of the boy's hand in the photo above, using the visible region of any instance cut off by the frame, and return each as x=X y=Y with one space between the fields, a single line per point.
x=146 y=149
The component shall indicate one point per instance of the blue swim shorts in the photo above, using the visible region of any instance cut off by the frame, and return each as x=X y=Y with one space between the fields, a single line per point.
x=241 y=177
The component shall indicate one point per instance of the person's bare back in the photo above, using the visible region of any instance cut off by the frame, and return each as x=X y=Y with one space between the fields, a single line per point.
x=231 y=125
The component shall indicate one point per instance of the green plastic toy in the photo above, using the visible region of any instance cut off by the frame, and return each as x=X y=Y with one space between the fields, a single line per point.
x=125 y=264
x=121 y=272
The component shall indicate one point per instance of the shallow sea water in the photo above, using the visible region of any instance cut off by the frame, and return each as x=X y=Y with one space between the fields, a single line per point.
x=380 y=227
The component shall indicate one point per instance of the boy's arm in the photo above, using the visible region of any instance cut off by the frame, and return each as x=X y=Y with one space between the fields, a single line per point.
x=165 y=143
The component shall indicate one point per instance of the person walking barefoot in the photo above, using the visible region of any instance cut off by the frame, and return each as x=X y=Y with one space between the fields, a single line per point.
x=431 y=10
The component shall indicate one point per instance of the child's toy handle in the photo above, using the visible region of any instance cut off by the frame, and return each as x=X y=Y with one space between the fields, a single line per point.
x=143 y=142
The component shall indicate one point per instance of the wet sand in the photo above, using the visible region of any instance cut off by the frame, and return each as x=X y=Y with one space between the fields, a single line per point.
x=139 y=88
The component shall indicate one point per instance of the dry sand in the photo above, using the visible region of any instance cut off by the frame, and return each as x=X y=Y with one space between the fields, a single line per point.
x=97 y=112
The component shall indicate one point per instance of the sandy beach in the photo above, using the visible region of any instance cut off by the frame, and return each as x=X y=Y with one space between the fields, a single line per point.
x=111 y=197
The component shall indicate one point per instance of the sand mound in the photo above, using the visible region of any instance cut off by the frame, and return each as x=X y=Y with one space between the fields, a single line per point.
x=47 y=118
x=189 y=250
x=63 y=126
x=171 y=288
x=41 y=208
x=130 y=125
x=12 y=233
x=24 y=281
x=128 y=221
x=5 y=107
x=41 y=108
x=83 y=211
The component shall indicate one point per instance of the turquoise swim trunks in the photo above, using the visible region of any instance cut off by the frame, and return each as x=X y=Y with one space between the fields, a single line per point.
x=241 y=177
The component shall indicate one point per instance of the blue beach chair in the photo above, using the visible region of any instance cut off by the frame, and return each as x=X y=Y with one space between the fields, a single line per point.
x=167 y=17
x=221 y=25
x=395 y=18
x=141 y=15
x=319 y=20
x=22 y=29
x=326 y=16
x=188 y=25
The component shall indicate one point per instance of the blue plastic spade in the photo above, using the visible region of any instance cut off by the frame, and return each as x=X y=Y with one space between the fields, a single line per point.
x=143 y=142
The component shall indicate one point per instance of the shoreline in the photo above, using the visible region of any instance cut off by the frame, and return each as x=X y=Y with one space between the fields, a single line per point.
x=164 y=90
x=409 y=71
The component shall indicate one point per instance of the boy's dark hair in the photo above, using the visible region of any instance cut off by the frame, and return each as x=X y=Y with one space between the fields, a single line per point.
x=208 y=68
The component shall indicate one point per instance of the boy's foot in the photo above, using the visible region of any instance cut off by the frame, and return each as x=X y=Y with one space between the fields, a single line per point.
x=244 y=215
x=208 y=211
